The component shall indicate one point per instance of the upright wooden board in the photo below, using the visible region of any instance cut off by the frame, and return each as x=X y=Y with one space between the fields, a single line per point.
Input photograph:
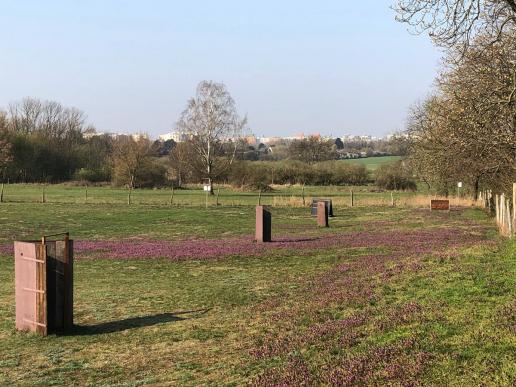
x=60 y=285
x=30 y=281
x=64 y=278
x=329 y=205
x=263 y=231
x=439 y=205
x=322 y=214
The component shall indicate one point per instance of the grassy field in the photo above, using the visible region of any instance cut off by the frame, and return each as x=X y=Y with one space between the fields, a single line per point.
x=195 y=196
x=372 y=163
x=168 y=295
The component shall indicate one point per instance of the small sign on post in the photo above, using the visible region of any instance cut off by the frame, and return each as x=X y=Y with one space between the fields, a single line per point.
x=263 y=225
x=322 y=214
x=439 y=205
x=459 y=186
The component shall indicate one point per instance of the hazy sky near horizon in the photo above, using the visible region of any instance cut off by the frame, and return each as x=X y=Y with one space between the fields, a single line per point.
x=334 y=67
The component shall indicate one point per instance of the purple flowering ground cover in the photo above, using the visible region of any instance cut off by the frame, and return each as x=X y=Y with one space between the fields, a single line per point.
x=200 y=249
x=382 y=297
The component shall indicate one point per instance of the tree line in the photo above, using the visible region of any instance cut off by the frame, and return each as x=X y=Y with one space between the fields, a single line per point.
x=43 y=141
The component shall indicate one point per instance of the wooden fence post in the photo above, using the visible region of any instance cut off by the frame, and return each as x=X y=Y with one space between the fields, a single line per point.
x=171 y=201
x=43 y=199
x=260 y=197
x=218 y=191
x=352 y=201
x=2 y=194
x=509 y=218
x=86 y=195
x=514 y=203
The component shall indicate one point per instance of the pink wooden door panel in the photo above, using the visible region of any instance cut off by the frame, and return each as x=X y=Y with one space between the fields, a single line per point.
x=28 y=293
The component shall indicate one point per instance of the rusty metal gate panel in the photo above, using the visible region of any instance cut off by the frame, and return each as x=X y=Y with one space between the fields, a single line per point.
x=30 y=285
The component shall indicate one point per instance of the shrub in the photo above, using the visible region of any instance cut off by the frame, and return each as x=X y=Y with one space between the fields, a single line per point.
x=92 y=175
x=151 y=175
x=260 y=175
x=395 y=177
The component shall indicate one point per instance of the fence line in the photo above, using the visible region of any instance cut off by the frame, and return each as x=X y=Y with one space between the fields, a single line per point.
x=501 y=206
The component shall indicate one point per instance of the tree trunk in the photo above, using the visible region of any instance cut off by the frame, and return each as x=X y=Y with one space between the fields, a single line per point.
x=477 y=185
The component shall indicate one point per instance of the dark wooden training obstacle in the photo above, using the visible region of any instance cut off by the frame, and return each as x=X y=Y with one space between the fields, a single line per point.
x=44 y=285
x=328 y=202
x=322 y=214
x=263 y=224
x=439 y=205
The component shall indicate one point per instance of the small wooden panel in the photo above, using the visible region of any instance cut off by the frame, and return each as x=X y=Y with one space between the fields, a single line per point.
x=329 y=205
x=263 y=225
x=41 y=297
x=322 y=214
x=60 y=285
x=440 y=205
x=67 y=248
x=26 y=286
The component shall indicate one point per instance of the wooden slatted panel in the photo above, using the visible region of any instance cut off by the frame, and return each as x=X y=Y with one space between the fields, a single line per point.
x=41 y=300
x=68 y=288
x=29 y=290
x=60 y=285
x=322 y=214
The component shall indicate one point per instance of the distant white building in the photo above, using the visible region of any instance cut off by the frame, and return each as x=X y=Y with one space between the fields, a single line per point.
x=178 y=136
x=165 y=137
x=114 y=136
x=140 y=136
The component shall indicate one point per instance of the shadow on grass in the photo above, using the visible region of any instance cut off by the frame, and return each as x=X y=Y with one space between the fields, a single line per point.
x=294 y=240
x=133 y=322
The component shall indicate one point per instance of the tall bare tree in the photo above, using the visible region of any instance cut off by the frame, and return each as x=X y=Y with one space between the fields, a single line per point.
x=213 y=125
x=5 y=145
x=181 y=160
x=48 y=118
x=467 y=132
x=456 y=23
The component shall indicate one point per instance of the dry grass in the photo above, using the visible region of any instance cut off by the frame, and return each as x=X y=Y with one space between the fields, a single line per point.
x=415 y=201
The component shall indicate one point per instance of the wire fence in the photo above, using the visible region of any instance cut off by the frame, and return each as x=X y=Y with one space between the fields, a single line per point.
x=281 y=197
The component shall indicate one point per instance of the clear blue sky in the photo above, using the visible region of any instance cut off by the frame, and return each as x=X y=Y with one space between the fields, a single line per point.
x=292 y=66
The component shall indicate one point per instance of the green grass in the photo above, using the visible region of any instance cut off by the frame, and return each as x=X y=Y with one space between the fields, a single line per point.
x=372 y=163
x=67 y=194
x=194 y=322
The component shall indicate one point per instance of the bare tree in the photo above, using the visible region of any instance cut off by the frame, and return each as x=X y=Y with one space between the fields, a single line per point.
x=454 y=23
x=312 y=149
x=46 y=117
x=467 y=132
x=181 y=160
x=213 y=125
x=129 y=157
x=5 y=145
